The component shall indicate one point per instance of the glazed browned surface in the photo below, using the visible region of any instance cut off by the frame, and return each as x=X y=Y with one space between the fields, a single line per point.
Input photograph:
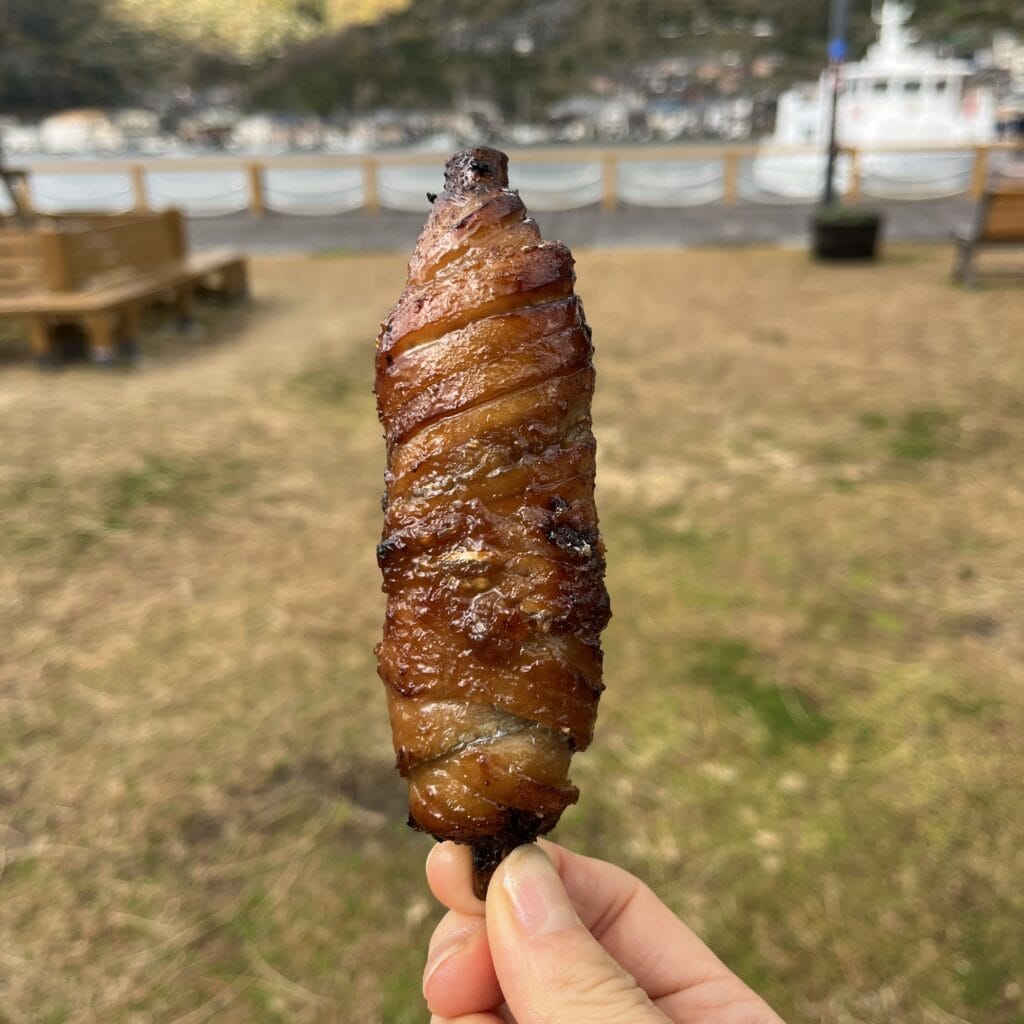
x=492 y=562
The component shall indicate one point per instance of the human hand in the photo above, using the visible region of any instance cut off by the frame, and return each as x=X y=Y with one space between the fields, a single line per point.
x=565 y=939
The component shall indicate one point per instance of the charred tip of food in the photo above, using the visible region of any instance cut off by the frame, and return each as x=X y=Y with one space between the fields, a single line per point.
x=487 y=855
x=521 y=827
x=473 y=169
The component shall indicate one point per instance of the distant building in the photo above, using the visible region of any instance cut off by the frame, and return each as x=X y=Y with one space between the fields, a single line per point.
x=18 y=138
x=1008 y=56
x=79 y=132
x=766 y=65
x=670 y=119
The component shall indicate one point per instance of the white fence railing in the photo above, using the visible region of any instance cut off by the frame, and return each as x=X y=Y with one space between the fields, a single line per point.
x=549 y=179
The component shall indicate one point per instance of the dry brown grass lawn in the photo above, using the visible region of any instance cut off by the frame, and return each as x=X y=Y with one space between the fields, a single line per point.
x=811 y=487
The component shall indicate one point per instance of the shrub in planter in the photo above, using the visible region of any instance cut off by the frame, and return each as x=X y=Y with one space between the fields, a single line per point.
x=845 y=233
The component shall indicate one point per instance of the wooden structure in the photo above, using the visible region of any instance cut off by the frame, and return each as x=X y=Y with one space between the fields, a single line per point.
x=101 y=272
x=610 y=158
x=15 y=182
x=999 y=225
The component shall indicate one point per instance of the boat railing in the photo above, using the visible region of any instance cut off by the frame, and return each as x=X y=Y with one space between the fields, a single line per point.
x=551 y=178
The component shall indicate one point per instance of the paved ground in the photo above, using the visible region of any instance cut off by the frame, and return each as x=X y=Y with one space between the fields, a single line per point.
x=627 y=227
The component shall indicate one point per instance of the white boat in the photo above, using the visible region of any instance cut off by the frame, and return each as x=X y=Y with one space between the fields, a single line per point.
x=85 y=132
x=899 y=94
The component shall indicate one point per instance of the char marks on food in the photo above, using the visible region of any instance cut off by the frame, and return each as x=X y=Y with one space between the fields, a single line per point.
x=492 y=561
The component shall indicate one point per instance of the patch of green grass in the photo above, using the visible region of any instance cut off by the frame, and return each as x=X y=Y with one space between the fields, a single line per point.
x=401 y=999
x=37 y=491
x=251 y=923
x=887 y=622
x=13 y=341
x=262 y=1003
x=924 y=433
x=987 y=967
x=832 y=453
x=969 y=706
x=325 y=383
x=842 y=485
x=21 y=871
x=188 y=485
x=29 y=490
x=658 y=531
x=338 y=252
x=55 y=1013
x=870 y=419
x=860 y=576
x=729 y=668
x=26 y=542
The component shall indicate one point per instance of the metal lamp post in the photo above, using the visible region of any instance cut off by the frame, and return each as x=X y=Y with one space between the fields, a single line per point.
x=836 y=55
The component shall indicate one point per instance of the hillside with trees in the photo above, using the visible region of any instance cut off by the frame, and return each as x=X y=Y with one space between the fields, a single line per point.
x=437 y=51
x=55 y=54
x=327 y=56
x=253 y=30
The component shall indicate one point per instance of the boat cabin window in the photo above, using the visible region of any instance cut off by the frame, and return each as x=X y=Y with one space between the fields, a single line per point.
x=912 y=85
x=880 y=87
x=941 y=86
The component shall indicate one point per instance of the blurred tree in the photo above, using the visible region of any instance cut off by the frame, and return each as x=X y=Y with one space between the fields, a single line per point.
x=433 y=52
x=340 y=13
x=324 y=55
x=251 y=30
x=55 y=54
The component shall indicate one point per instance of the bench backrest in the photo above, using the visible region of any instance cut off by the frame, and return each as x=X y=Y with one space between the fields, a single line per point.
x=21 y=262
x=81 y=253
x=95 y=257
x=1002 y=215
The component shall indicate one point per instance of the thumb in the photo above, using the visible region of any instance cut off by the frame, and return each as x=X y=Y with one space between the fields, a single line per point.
x=550 y=968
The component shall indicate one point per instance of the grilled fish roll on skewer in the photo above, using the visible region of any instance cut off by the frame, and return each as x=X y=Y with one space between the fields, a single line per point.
x=493 y=565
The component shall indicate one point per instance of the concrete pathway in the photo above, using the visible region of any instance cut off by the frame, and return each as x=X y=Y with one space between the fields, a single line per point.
x=625 y=228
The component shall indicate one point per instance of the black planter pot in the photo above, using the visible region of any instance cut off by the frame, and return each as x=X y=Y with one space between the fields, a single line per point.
x=846 y=238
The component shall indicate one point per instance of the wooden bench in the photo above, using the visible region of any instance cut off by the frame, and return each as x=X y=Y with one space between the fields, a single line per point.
x=103 y=275
x=999 y=225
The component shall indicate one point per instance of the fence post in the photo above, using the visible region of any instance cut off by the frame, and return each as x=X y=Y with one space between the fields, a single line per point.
x=140 y=201
x=21 y=192
x=980 y=176
x=609 y=181
x=731 y=177
x=257 y=194
x=853 y=192
x=371 y=186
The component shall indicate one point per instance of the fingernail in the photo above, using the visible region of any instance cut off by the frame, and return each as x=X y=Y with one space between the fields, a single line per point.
x=451 y=944
x=539 y=900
